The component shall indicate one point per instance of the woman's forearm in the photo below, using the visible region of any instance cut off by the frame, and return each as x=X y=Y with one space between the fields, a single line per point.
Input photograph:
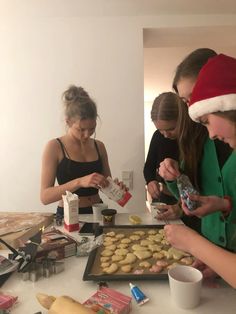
x=220 y=260
x=53 y=194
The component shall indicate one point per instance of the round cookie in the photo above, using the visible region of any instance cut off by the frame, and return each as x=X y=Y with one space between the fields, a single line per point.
x=153 y=247
x=142 y=254
x=116 y=258
x=111 y=247
x=134 y=237
x=162 y=263
x=122 y=246
x=126 y=268
x=120 y=236
x=111 y=234
x=139 y=232
x=187 y=260
x=145 y=264
x=129 y=259
x=104 y=259
x=138 y=247
x=155 y=269
x=125 y=241
x=121 y=252
x=107 y=239
x=152 y=232
x=157 y=238
x=111 y=269
x=105 y=264
x=107 y=253
x=107 y=243
x=158 y=255
x=146 y=242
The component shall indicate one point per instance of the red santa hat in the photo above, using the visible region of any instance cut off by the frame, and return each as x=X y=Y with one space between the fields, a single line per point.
x=215 y=89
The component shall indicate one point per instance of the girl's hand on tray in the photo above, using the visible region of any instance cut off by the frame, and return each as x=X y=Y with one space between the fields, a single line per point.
x=180 y=236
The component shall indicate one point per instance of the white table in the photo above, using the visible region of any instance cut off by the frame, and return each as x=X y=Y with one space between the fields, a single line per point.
x=123 y=219
x=69 y=282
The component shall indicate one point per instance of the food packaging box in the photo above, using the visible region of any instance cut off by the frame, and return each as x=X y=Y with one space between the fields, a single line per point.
x=111 y=301
x=57 y=245
x=71 y=216
x=6 y=302
x=115 y=193
x=17 y=227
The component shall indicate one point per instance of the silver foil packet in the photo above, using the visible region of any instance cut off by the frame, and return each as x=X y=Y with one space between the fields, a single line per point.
x=185 y=188
x=87 y=244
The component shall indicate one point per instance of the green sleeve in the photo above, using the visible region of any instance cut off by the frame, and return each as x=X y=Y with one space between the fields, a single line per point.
x=172 y=187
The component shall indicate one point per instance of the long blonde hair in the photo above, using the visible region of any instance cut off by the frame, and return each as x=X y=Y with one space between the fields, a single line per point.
x=191 y=139
x=190 y=135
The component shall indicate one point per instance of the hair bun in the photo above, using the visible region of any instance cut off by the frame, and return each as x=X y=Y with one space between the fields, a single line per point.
x=81 y=92
x=74 y=93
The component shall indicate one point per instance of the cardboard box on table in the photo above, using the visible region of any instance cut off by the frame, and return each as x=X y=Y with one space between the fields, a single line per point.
x=17 y=227
x=57 y=245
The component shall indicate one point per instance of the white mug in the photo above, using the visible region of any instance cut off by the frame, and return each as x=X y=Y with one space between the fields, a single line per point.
x=97 y=208
x=185 y=286
x=154 y=208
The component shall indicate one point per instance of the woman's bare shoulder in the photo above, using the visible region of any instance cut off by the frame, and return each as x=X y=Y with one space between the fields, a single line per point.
x=52 y=146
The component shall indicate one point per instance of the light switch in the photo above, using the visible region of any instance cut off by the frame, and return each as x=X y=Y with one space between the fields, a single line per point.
x=127 y=178
x=126 y=175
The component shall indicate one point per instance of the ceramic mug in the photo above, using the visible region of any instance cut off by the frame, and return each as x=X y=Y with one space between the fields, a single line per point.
x=185 y=286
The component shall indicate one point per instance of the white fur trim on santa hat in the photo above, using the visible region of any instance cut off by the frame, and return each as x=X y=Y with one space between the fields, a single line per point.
x=212 y=105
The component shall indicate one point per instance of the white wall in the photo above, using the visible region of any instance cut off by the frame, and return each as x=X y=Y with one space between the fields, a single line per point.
x=158 y=73
x=42 y=52
x=39 y=59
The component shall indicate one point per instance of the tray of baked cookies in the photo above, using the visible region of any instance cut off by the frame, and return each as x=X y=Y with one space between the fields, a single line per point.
x=133 y=253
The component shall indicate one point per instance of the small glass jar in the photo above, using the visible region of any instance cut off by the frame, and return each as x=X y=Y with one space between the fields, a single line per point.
x=108 y=217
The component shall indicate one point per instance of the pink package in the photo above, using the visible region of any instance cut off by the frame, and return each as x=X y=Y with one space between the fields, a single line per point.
x=109 y=301
x=7 y=301
x=125 y=198
x=115 y=193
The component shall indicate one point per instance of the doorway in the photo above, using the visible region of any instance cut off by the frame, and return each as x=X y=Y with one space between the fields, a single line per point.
x=165 y=48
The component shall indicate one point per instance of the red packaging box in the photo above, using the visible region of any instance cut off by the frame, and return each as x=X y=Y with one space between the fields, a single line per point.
x=109 y=301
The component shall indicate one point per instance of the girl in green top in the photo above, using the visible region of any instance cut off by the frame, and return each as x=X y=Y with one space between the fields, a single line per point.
x=213 y=103
x=200 y=161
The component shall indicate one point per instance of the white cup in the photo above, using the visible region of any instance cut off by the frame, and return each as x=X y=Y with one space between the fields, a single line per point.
x=154 y=208
x=97 y=208
x=185 y=286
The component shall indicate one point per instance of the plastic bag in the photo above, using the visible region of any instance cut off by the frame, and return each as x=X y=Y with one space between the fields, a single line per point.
x=185 y=188
x=86 y=245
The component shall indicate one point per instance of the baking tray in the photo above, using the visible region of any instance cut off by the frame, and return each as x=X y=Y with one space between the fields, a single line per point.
x=91 y=272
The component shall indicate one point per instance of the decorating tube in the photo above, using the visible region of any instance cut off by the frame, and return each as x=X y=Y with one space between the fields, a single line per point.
x=138 y=295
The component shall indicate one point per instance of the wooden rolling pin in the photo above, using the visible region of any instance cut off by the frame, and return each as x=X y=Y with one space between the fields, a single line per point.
x=62 y=305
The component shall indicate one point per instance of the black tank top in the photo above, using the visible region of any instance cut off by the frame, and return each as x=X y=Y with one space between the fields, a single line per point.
x=68 y=170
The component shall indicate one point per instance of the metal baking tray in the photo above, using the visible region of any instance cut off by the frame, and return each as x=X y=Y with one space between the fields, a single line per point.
x=93 y=269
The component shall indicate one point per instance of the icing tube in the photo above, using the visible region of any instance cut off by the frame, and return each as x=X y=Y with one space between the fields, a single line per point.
x=138 y=295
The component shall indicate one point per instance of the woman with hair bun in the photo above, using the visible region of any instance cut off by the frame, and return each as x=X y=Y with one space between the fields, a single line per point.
x=77 y=161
